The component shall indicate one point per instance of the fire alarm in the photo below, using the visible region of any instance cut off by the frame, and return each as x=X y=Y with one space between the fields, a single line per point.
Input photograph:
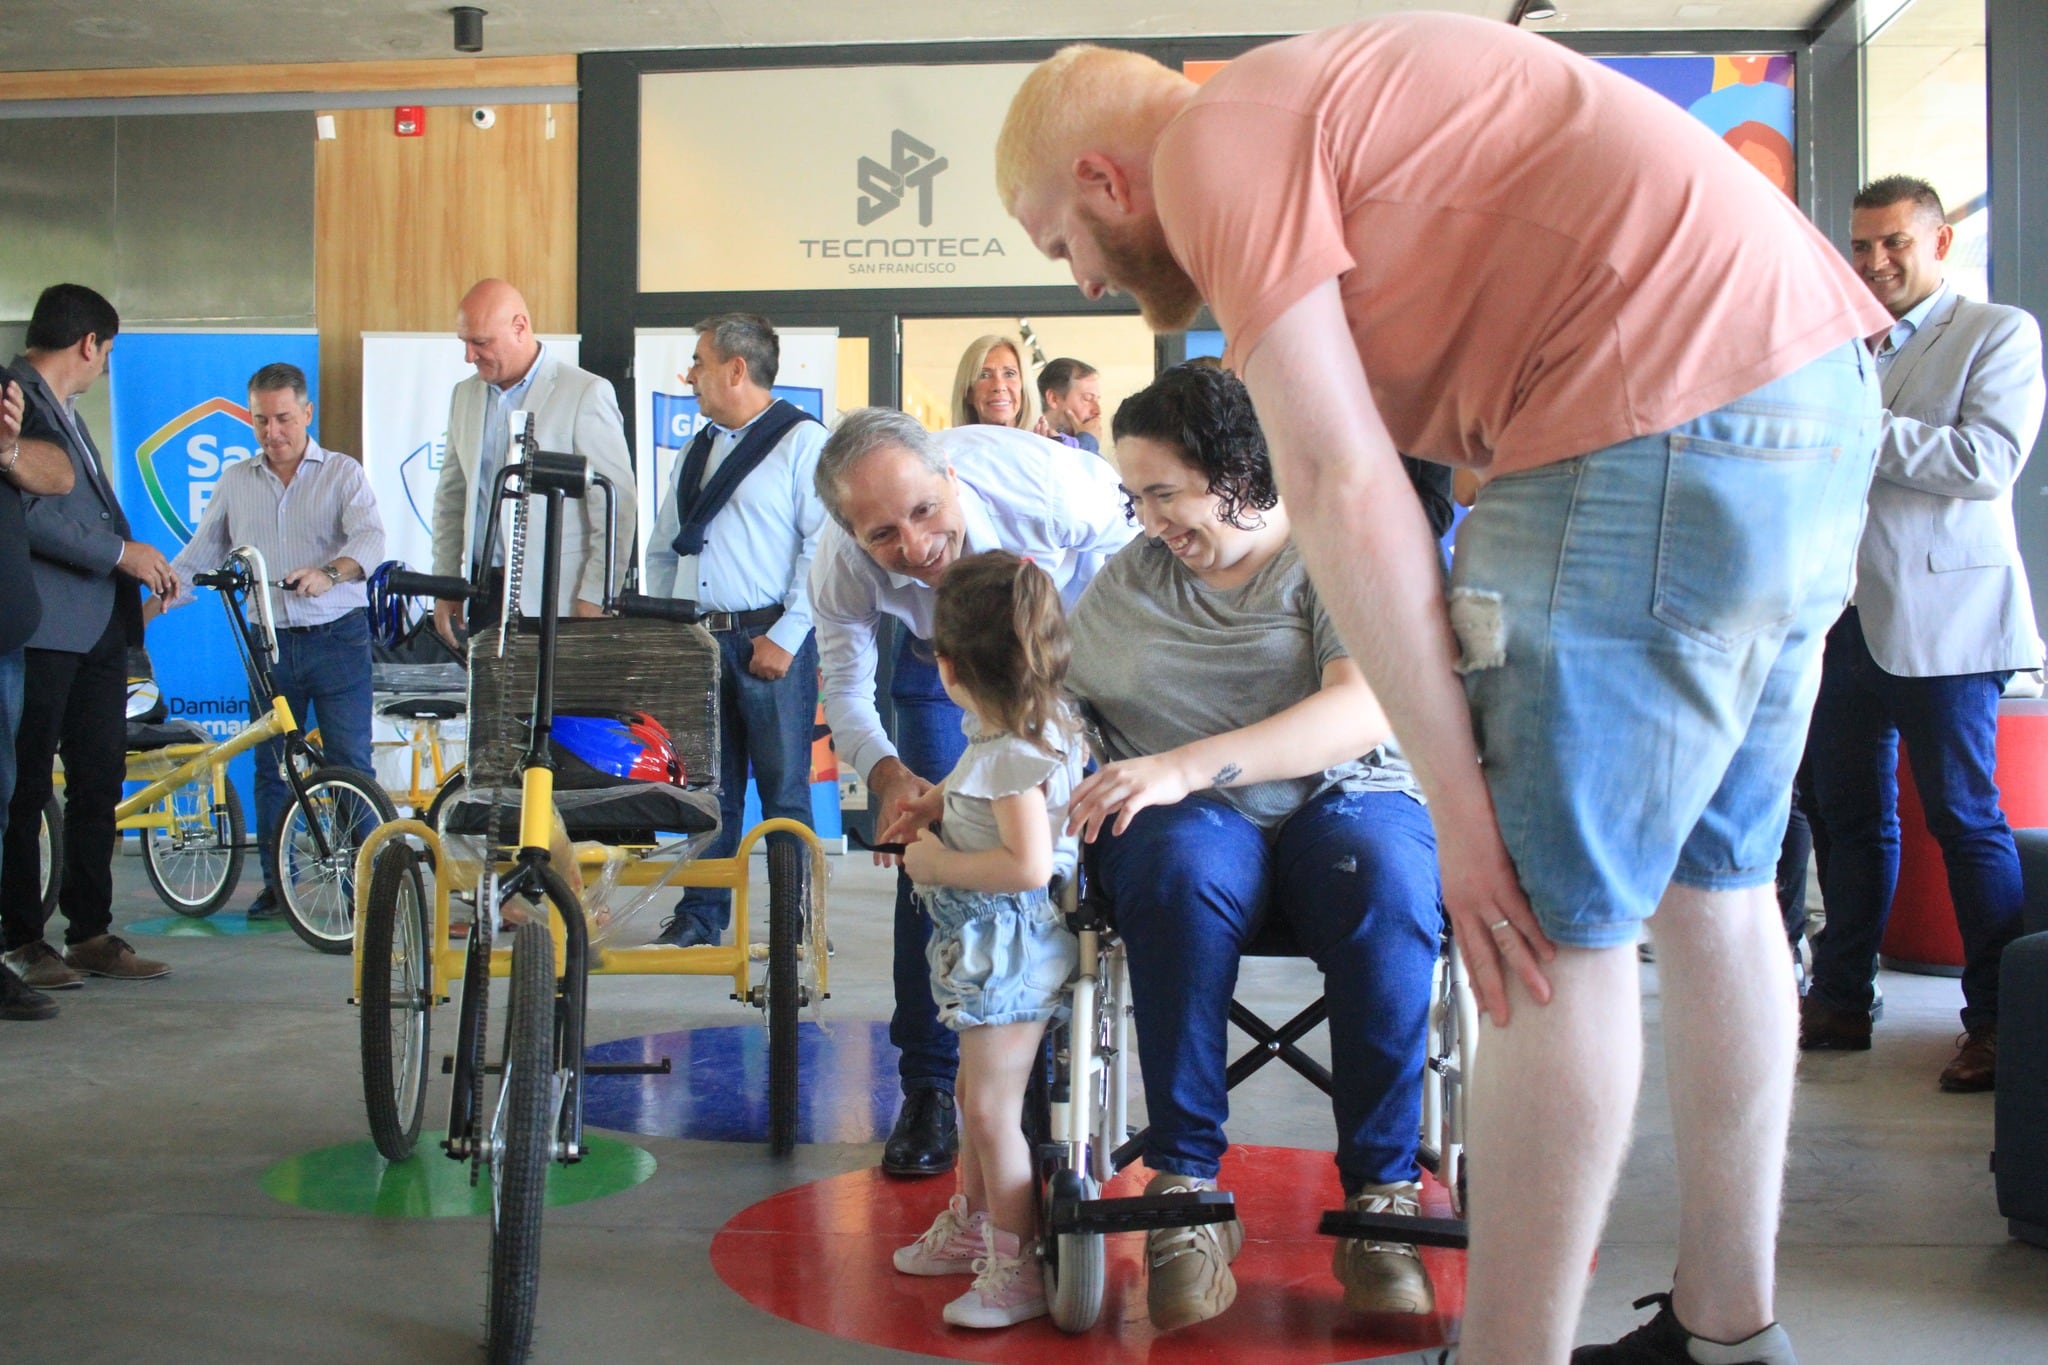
x=409 y=120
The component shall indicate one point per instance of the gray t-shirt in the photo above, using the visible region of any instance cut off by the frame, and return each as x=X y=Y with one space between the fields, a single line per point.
x=1161 y=659
x=999 y=764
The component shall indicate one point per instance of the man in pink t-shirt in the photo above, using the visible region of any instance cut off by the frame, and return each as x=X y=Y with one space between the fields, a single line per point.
x=1438 y=235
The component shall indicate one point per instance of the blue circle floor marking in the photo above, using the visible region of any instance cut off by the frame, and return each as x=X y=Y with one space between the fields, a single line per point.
x=219 y=925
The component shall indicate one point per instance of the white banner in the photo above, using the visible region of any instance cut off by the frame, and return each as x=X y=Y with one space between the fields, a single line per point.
x=408 y=378
x=668 y=416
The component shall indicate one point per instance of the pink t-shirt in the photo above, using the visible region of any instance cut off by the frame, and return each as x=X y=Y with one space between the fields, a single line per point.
x=1538 y=257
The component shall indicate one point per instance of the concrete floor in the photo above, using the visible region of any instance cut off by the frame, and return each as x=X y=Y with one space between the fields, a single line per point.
x=141 y=1120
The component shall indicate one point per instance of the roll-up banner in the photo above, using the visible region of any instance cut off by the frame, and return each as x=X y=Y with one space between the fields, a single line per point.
x=808 y=376
x=181 y=417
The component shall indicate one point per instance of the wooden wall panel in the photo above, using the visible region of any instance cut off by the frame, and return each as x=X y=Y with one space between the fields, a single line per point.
x=404 y=225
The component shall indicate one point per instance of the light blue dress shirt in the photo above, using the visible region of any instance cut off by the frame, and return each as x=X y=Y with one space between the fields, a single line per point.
x=1894 y=341
x=758 y=549
x=497 y=441
x=1059 y=506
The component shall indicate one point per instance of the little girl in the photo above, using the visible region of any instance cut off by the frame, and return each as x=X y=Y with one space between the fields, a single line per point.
x=1000 y=955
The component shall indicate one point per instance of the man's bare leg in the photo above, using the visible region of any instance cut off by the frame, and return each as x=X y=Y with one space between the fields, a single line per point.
x=1730 y=1033
x=1550 y=1115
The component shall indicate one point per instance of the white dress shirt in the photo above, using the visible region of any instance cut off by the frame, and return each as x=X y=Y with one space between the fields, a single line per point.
x=1060 y=507
x=758 y=549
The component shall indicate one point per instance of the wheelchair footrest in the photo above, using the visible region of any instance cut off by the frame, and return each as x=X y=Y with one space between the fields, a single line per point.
x=1395 y=1227
x=1143 y=1213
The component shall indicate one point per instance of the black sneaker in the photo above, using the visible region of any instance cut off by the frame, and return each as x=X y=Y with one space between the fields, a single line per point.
x=269 y=905
x=1664 y=1341
x=19 y=1000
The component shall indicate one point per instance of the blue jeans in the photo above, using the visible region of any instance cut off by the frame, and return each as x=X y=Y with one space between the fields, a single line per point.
x=1353 y=876
x=1641 y=630
x=323 y=673
x=1950 y=726
x=13 y=665
x=765 y=725
x=929 y=741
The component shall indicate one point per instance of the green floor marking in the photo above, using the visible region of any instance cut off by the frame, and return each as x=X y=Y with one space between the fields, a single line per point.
x=353 y=1178
x=211 y=926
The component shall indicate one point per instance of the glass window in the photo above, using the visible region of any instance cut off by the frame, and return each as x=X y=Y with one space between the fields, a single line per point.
x=1924 y=115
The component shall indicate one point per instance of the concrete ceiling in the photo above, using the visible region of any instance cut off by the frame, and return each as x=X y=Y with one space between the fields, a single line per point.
x=55 y=35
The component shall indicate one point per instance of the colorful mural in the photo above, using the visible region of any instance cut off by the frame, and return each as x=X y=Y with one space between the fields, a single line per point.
x=1746 y=100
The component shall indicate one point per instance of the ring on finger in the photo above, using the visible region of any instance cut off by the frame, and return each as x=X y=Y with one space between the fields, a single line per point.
x=1497 y=927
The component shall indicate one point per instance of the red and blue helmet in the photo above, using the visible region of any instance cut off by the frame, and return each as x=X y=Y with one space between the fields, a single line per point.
x=631 y=748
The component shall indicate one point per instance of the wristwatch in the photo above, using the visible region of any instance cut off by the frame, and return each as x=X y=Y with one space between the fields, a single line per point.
x=333 y=574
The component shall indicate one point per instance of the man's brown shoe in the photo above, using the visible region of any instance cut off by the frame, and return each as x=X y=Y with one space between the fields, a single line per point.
x=42 y=969
x=1823 y=1028
x=109 y=956
x=1976 y=1063
x=1189 y=1279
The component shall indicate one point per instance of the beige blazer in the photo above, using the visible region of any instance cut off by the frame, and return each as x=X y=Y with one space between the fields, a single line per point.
x=1940 y=586
x=575 y=412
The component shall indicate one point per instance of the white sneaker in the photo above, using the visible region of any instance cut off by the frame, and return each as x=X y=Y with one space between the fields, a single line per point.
x=1009 y=1286
x=950 y=1246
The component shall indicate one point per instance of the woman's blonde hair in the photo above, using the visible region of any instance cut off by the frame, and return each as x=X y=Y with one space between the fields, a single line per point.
x=997 y=620
x=971 y=362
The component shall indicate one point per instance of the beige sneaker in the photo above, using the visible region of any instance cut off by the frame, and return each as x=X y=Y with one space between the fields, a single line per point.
x=41 y=968
x=1383 y=1277
x=1190 y=1279
x=109 y=956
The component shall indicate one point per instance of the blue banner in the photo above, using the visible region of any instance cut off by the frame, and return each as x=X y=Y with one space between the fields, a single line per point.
x=677 y=419
x=181 y=417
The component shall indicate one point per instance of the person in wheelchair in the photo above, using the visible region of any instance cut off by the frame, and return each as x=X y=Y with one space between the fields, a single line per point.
x=1000 y=956
x=1249 y=783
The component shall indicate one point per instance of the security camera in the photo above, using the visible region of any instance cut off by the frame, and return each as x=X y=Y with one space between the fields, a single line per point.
x=482 y=117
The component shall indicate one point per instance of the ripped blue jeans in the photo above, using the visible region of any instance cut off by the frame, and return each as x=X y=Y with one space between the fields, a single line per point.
x=1353 y=876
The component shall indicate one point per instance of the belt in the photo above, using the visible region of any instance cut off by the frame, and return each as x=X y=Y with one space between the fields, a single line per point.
x=324 y=625
x=717 y=621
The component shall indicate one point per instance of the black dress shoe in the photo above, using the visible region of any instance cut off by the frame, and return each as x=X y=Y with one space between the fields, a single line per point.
x=926 y=1140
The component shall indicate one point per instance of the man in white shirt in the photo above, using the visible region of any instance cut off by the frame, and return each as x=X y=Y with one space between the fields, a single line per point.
x=735 y=535
x=906 y=503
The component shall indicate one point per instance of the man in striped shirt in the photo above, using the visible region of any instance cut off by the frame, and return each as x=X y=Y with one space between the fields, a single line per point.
x=312 y=514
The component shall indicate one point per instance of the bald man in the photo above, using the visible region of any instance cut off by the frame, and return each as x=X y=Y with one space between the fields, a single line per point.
x=574 y=411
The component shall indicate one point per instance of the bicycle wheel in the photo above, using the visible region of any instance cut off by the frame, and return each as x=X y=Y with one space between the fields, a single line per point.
x=521 y=1141
x=320 y=891
x=50 y=844
x=195 y=862
x=788 y=883
x=397 y=1000
x=450 y=790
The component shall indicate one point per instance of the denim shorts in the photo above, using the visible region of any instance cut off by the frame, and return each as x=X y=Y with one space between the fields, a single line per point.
x=996 y=958
x=1641 y=630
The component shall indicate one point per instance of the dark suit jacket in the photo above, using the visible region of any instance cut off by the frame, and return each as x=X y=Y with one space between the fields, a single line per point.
x=75 y=539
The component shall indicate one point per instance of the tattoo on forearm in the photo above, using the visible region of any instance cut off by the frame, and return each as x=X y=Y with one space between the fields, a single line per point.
x=1227 y=774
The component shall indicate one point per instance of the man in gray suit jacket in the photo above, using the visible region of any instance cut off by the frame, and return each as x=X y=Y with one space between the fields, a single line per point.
x=1941 y=620
x=87 y=571
x=574 y=411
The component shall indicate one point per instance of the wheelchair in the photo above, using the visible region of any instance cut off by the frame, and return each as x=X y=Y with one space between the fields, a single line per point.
x=503 y=836
x=1080 y=1105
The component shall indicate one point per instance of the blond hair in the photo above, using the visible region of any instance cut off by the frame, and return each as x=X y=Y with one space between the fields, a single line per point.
x=971 y=361
x=1114 y=99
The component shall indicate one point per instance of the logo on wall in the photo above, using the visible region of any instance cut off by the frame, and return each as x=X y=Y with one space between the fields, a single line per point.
x=912 y=166
x=421 y=473
x=182 y=461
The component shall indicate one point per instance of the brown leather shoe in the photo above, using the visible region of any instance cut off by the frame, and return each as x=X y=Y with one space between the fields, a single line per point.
x=106 y=955
x=1823 y=1028
x=42 y=969
x=1976 y=1063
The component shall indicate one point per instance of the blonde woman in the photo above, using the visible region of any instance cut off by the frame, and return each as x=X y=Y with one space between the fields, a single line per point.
x=990 y=389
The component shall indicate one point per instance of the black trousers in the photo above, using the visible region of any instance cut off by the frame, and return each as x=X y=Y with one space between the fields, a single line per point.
x=75 y=705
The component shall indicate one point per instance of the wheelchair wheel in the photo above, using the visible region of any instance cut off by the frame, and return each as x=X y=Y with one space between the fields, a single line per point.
x=788 y=884
x=397 y=999
x=50 y=845
x=320 y=892
x=520 y=1143
x=1074 y=1262
x=195 y=862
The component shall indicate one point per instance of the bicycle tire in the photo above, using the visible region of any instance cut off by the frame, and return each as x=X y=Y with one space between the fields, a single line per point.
x=50 y=843
x=519 y=1165
x=319 y=894
x=450 y=790
x=788 y=884
x=397 y=981
x=196 y=878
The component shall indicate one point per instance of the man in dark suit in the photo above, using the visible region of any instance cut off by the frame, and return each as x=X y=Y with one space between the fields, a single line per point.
x=1940 y=621
x=88 y=573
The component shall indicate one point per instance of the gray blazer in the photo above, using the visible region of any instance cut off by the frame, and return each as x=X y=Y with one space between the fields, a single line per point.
x=575 y=412
x=75 y=538
x=1940 y=587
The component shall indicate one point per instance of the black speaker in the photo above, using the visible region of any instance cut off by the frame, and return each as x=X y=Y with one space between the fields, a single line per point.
x=2020 y=1159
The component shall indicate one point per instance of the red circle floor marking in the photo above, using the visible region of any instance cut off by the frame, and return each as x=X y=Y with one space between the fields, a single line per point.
x=818 y=1255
